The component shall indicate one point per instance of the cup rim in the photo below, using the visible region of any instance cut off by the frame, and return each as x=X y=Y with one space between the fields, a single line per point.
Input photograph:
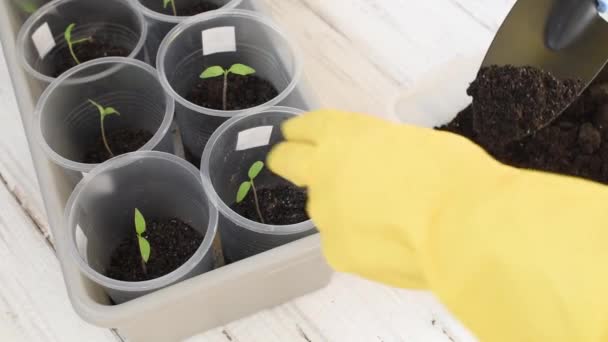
x=48 y=92
x=148 y=13
x=28 y=26
x=177 y=30
x=147 y=285
x=222 y=207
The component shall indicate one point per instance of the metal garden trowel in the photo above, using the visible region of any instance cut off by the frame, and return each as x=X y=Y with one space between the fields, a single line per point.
x=568 y=38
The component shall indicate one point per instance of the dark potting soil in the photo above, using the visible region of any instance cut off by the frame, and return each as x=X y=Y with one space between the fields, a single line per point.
x=280 y=205
x=574 y=144
x=197 y=8
x=101 y=45
x=120 y=141
x=243 y=92
x=172 y=243
x=511 y=102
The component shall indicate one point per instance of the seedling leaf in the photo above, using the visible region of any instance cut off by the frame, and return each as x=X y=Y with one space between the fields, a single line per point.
x=243 y=191
x=28 y=7
x=140 y=222
x=242 y=69
x=110 y=111
x=255 y=169
x=213 y=71
x=99 y=107
x=166 y=3
x=144 y=248
x=68 y=33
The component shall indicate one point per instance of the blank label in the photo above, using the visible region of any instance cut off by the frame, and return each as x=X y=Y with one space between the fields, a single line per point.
x=219 y=39
x=43 y=40
x=254 y=137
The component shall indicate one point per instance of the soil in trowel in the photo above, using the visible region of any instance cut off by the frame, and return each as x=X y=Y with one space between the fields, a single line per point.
x=512 y=102
x=574 y=144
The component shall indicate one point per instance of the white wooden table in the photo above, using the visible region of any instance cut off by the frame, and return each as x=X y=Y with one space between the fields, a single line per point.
x=359 y=55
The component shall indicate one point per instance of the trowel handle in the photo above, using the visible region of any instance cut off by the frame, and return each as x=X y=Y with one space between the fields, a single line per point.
x=568 y=21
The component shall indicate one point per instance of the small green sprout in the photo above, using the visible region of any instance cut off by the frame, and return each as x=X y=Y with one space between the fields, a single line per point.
x=27 y=6
x=172 y=2
x=217 y=71
x=144 y=245
x=249 y=185
x=68 y=38
x=103 y=112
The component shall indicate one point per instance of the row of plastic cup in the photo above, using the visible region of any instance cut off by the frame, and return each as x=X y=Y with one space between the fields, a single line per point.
x=182 y=56
x=99 y=214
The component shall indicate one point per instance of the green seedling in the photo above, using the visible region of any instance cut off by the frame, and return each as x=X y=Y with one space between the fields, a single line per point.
x=68 y=38
x=172 y=2
x=103 y=112
x=27 y=7
x=144 y=245
x=249 y=185
x=217 y=71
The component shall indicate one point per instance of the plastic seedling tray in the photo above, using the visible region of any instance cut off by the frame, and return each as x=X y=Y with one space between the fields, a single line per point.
x=193 y=306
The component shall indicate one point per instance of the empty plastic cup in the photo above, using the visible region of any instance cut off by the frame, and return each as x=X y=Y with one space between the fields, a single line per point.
x=161 y=19
x=100 y=216
x=68 y=122
x=96 y=29
x=232 y=149
x=223 y=38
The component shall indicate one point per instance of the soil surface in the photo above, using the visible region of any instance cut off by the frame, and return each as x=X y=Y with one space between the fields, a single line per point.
x=243 y=92
x=281 y=205
x=200 y=7
x=172 y=243
x=120 y=141
x=511 y=102
x=101 y=45
x=574 y=144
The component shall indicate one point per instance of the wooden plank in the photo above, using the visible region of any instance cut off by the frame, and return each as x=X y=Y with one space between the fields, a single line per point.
x=34 y=305
x=16 y=168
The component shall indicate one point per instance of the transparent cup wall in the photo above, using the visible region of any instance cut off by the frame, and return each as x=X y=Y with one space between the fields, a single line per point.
x=225 y=167
x=69 y=125
x=183 y=57
x=161 y=19
x=25 y=8
x=101 y=215
x=116 y=19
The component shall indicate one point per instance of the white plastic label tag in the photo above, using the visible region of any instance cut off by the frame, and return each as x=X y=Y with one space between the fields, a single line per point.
x=219 y=39
x=43 y=40
x=81 y=242
x=254 y=137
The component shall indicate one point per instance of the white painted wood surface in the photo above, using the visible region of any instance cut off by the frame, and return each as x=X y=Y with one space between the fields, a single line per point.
x=359 y=55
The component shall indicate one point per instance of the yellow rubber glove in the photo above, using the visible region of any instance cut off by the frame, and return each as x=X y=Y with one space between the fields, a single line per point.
x=516 y=255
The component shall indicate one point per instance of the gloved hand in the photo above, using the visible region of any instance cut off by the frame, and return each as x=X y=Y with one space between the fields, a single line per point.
x=516 y=255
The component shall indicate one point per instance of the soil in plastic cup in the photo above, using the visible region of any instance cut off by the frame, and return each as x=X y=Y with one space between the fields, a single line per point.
x=100 y=216
x=232 y=149
x=161 y=19
x=230 y=37
x=115 y=26
x=68 y=124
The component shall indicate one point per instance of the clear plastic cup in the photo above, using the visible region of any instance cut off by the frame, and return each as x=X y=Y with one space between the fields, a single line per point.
x=117 y=19
x=99 y=215
x=68 y=125
x=258 y=43
x=224 y=166
x=160 y=21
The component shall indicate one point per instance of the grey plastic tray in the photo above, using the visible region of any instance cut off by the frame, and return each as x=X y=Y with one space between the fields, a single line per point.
x=196 y=305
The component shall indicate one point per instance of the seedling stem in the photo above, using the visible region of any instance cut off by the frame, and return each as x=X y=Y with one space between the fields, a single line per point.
x=68 y=38
x=103 y=112
x=245 y=187
x=216 y=71
x=172 y=2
